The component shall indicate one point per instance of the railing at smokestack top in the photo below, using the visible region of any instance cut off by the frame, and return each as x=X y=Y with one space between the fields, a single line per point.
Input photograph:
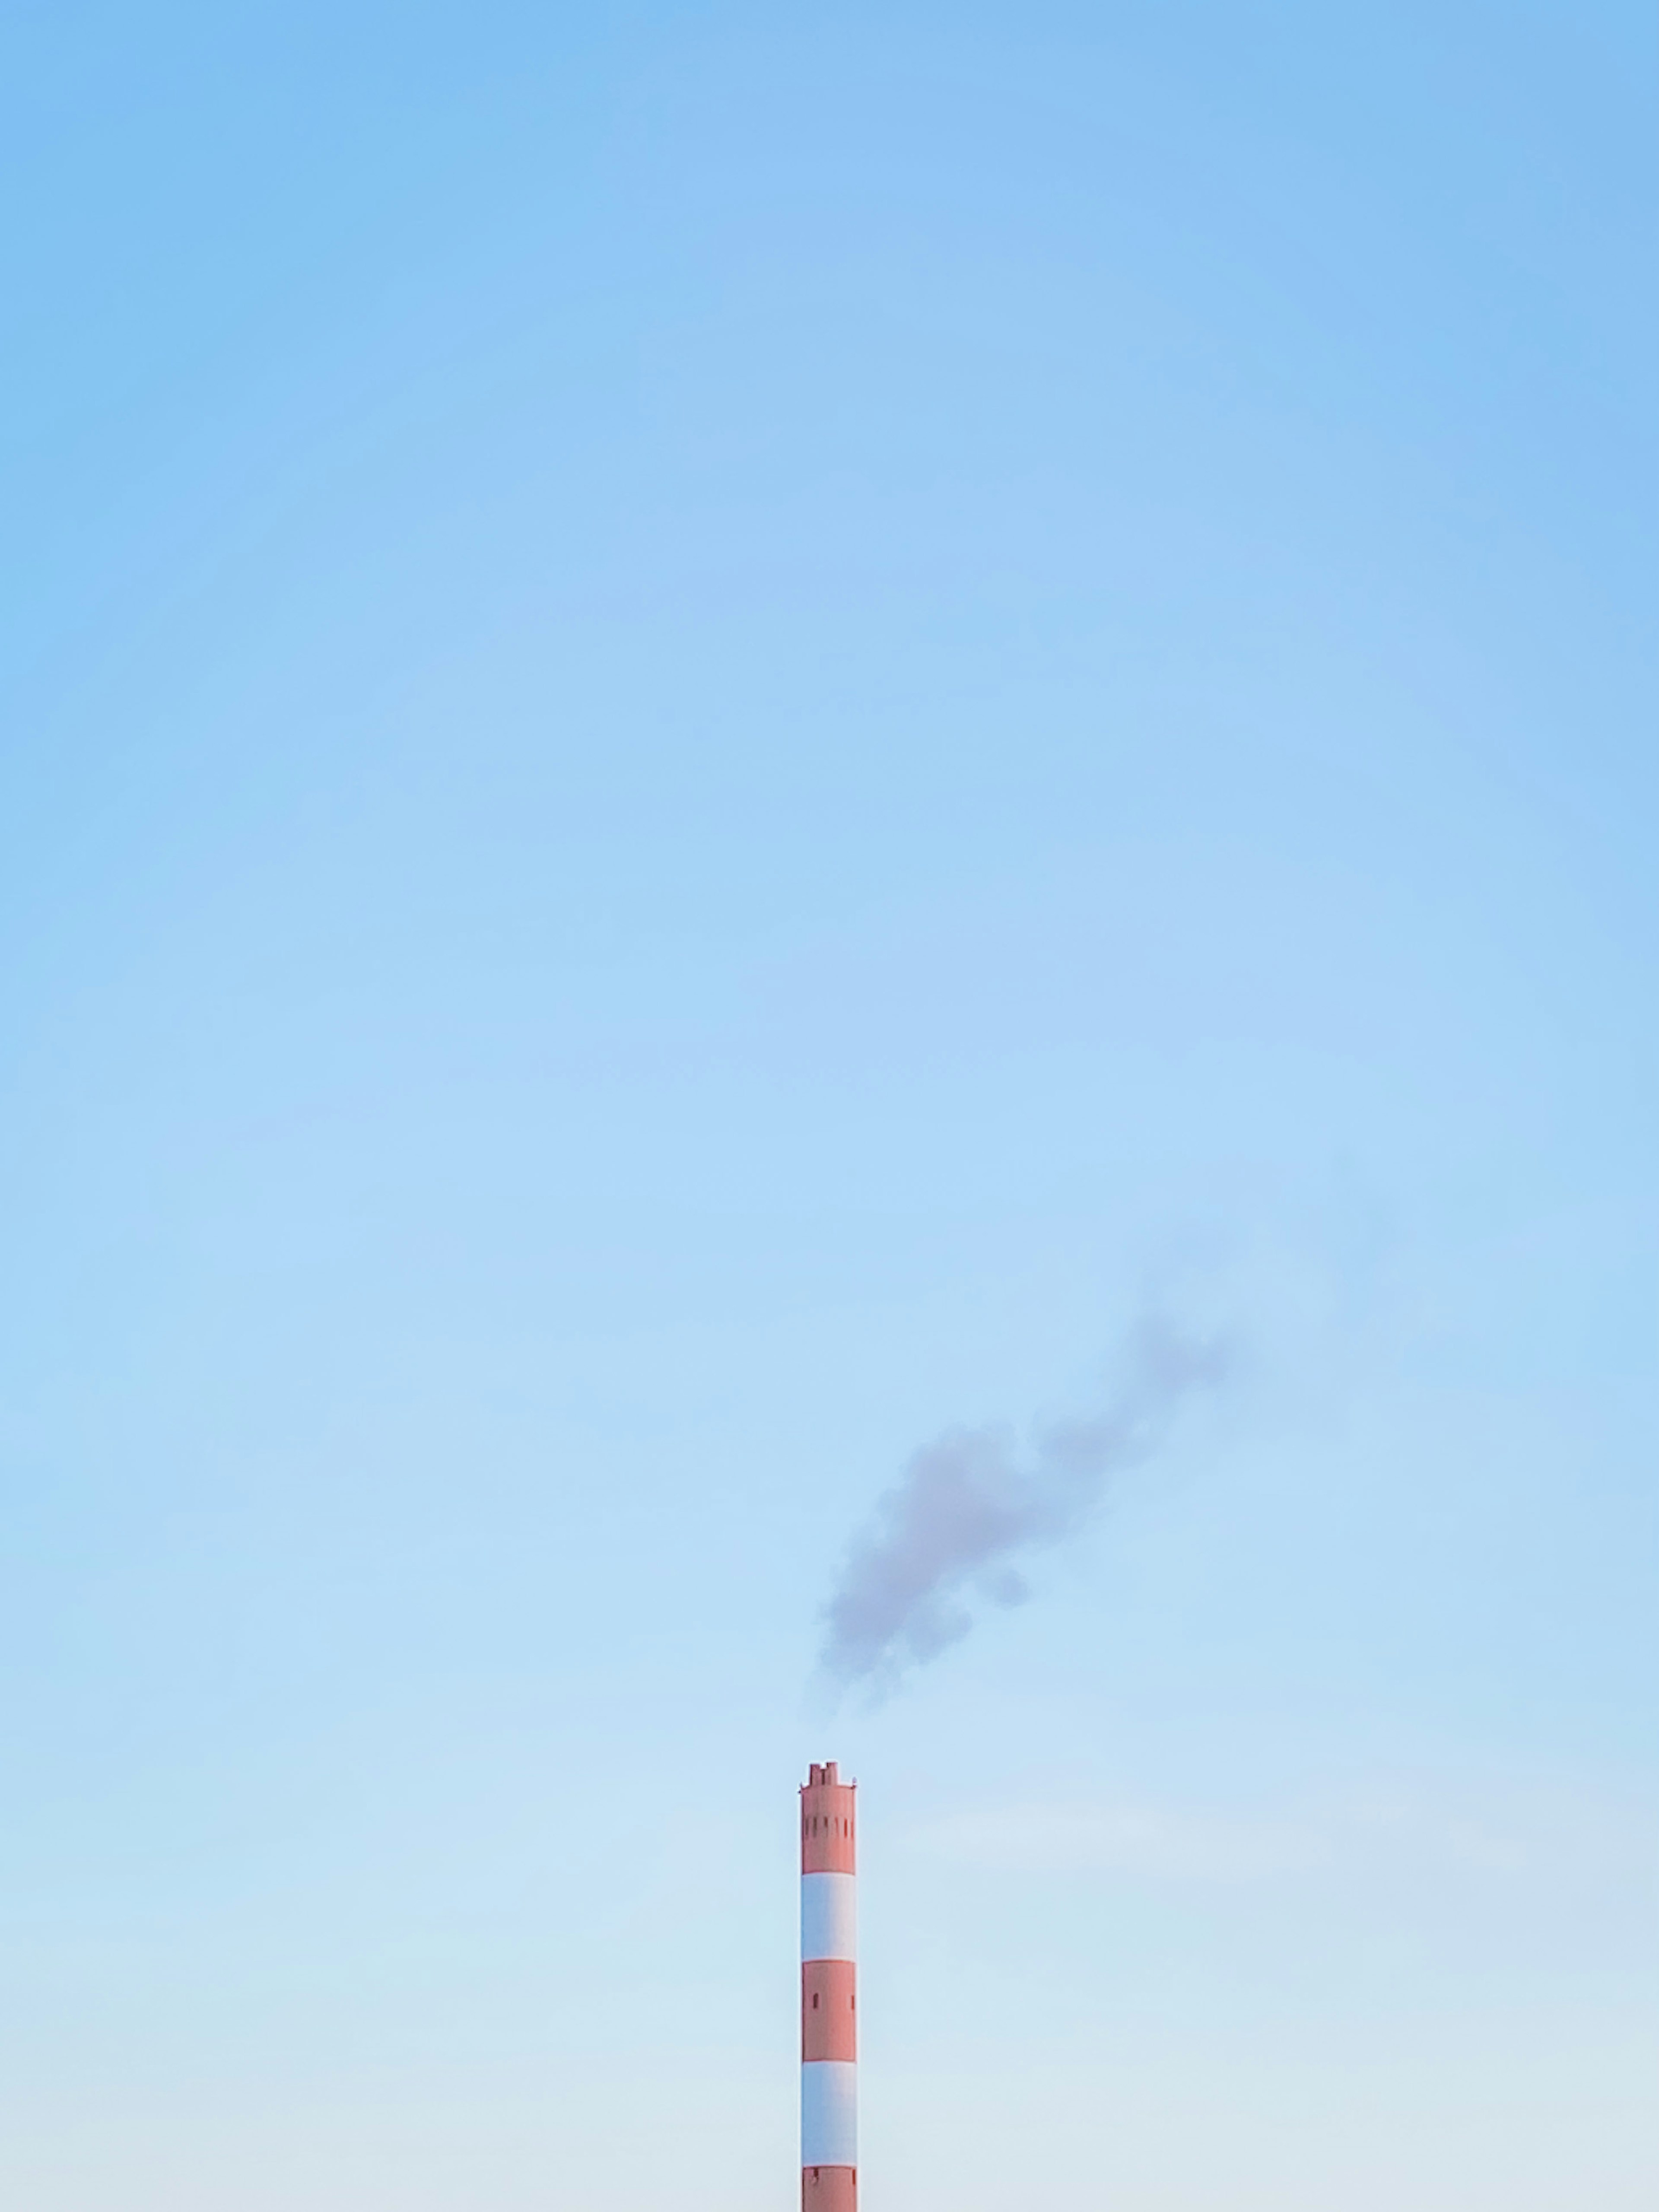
x=828 y=1992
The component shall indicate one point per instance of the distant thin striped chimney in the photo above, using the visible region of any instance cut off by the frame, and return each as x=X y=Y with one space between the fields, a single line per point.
x=829 y=1994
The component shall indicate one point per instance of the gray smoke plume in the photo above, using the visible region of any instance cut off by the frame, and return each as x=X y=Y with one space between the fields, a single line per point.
x=967 y=1507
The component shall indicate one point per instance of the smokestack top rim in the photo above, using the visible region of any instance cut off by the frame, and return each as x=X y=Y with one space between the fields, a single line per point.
x=826 y=1775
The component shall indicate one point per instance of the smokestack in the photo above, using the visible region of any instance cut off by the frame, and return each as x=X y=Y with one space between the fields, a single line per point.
x=828 y=1996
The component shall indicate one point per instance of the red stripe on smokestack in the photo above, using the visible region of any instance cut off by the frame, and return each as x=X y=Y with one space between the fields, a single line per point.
x=827 y=1816
x=829 y=2015
x=830 y=2188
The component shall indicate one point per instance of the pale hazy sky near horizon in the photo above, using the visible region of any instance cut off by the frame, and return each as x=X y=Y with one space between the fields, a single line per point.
x=722 y=729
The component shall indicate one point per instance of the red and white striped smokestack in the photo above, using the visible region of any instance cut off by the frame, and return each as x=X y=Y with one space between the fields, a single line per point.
x=829 y=1994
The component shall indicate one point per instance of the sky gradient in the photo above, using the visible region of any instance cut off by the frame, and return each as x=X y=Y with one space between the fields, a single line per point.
x=723 y=732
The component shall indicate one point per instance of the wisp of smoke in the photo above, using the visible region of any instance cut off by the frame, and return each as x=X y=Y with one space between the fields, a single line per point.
x=950 y=1531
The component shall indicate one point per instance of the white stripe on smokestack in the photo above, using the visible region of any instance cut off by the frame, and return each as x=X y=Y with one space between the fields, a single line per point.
x=828 y=1915
x=828 y=1996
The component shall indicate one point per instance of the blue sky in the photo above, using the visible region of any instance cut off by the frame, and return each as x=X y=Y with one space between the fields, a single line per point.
x=721 y=729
